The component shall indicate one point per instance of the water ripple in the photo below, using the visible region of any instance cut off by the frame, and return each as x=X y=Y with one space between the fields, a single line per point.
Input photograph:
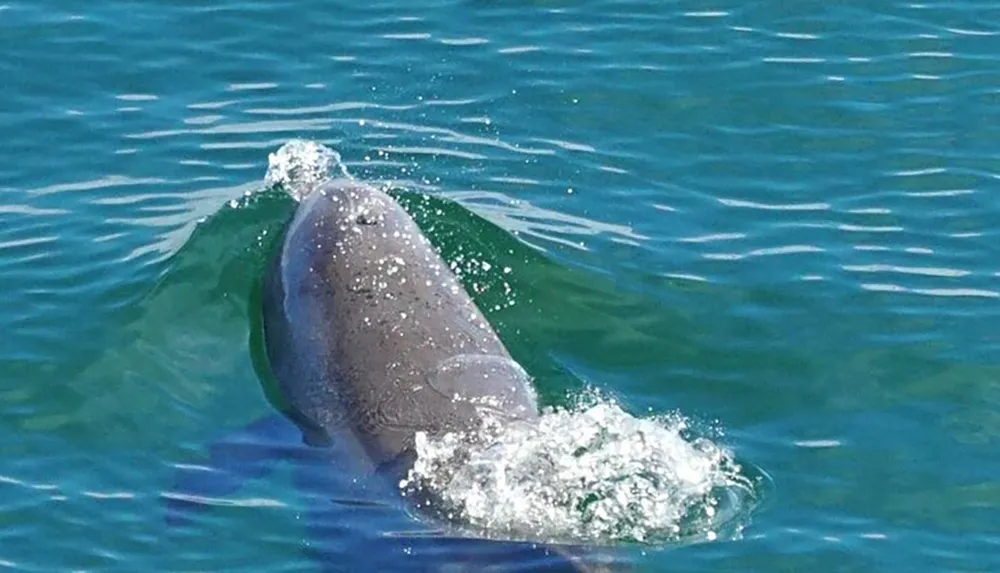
x=940 y=292
x=930 y=272
x=803 y=196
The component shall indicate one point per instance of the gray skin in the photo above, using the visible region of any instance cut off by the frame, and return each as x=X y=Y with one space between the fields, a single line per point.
x=368 y=330
x=372 y=338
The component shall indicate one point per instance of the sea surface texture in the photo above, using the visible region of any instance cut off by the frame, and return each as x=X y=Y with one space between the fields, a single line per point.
x=770 y=225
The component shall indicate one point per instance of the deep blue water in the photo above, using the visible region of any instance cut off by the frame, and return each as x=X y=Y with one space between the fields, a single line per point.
x=776 y=217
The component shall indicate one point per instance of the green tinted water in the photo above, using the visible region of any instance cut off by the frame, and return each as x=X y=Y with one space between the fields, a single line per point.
x=782 y=223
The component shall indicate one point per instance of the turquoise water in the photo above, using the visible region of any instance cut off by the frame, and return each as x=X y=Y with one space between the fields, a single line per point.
x=776 y=218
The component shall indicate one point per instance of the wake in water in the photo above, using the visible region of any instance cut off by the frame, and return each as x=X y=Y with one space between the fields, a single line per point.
x=590 y=473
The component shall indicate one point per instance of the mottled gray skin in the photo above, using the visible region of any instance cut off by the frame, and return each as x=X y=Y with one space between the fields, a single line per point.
x=371 y=335
x=368 y=330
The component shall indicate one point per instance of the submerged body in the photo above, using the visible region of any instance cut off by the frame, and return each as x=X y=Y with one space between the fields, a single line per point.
x=368 y=330
x=373 y=339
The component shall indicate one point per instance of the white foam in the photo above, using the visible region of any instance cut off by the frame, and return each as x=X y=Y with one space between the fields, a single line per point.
x=591 y=474
x=299 y=165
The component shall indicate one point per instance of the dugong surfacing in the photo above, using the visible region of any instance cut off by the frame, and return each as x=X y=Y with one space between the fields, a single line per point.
x=367 y=329
x=371 y=337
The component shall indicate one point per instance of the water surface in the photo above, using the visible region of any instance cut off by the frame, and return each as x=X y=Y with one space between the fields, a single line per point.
x=777 y=218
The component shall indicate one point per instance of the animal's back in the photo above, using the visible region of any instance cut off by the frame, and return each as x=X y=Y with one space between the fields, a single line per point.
x=366 y=325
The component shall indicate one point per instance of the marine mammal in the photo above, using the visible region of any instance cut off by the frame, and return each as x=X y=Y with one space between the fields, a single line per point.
x=369 y=333
x=369 y=338
x=366 y=328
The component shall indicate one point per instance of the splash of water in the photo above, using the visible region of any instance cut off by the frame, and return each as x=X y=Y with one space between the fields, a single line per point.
x=299 y=165
x=591 y=473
